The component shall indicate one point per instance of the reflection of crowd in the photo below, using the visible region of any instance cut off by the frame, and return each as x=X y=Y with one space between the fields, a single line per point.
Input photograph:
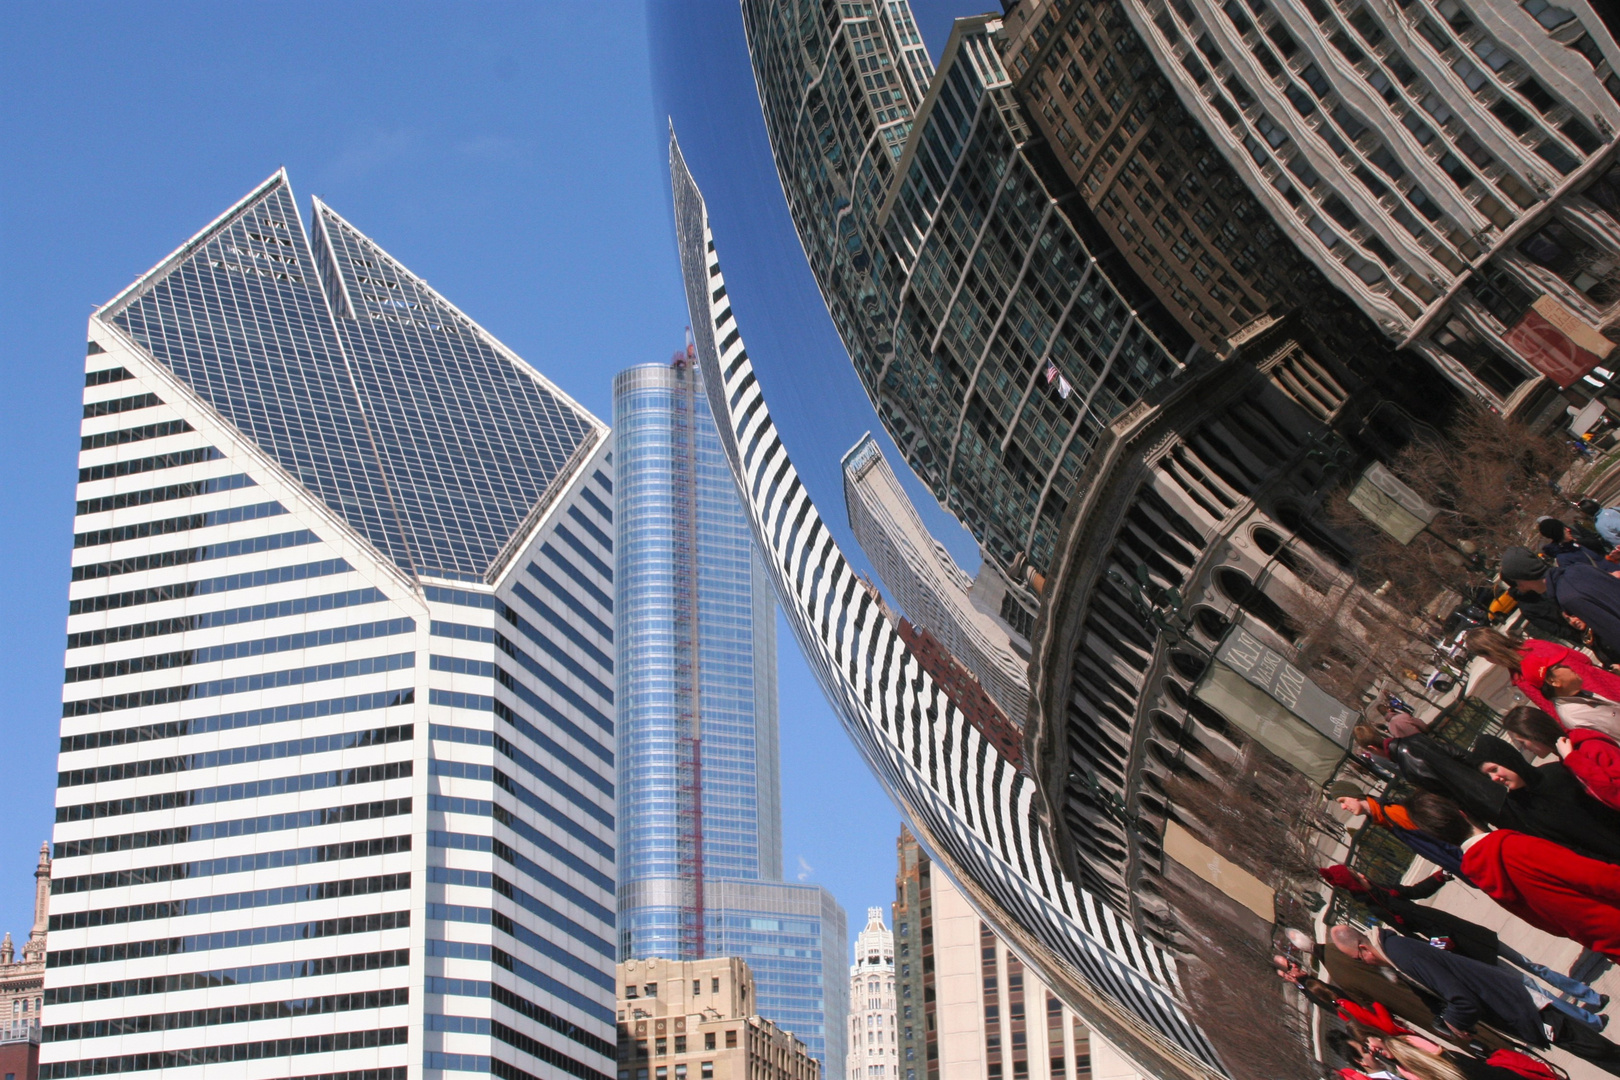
x=1532 y=821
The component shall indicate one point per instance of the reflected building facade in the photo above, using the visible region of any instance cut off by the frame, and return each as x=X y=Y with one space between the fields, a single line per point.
x=973 y=809
x=931 y=589
x=995 y=342
x=336 y=770
x=1447 y=170
x=699 y=791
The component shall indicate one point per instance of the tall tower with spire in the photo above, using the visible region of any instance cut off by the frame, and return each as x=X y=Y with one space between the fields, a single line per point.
x=699 y=791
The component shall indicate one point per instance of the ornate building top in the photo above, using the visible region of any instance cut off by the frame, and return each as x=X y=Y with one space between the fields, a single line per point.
x=22 y=982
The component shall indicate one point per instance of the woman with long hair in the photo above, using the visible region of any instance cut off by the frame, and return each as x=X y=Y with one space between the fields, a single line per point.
x=1528 y=662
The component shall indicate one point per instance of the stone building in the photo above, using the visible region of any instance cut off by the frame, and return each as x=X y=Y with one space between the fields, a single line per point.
x=873 y=1044
x=22 y=984
x=695 y=1020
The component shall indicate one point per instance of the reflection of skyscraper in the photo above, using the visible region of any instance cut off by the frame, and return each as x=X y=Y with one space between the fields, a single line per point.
x=699 y=790
x=963 y=798
x=925 y=581
x=996 y=345
x=302 y=474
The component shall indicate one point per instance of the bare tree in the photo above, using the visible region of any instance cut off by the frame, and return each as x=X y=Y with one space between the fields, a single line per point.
x=1490 y=478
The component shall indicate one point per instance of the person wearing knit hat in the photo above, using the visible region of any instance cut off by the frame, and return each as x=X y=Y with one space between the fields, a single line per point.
x=1397 y=906
x=1589 y=593
x=1567 y=547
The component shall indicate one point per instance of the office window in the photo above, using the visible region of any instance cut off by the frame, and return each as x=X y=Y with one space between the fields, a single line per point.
x=714 y=985
x=706 y=1071
x=697 y=986
x=731 y=1039
x=708 y=1040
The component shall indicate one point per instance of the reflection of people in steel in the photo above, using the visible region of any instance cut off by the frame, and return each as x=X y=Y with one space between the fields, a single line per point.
x=1543 y=883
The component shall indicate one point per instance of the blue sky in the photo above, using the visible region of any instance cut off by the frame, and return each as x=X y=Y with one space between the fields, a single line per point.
x=513 y=154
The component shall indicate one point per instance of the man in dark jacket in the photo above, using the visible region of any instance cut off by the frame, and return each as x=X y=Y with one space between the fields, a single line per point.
x=1476 y=993
x=1587 y=592
x=1397 y=906
x=1568 y=545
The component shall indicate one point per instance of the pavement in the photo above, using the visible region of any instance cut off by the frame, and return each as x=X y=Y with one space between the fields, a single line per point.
x=1555 y=952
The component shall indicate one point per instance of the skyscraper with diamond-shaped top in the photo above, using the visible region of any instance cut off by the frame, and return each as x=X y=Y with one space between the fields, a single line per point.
x=337 y=764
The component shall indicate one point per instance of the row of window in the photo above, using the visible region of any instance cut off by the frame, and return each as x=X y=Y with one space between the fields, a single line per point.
x=309 y=639
x=217 y=902
x=281 y=609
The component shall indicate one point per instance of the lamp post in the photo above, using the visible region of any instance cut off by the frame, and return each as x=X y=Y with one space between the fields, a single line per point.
x=1160 y=606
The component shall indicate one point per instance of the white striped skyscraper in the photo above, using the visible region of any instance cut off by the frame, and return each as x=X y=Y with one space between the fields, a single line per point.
x=336 y=790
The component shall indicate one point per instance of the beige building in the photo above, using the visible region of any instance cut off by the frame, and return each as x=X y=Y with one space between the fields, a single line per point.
x=969 y=1008
x=695 y=1020
x=22 y=979
x=873 y=1044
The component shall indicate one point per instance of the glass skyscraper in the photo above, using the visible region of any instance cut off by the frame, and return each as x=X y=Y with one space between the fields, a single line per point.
x=337 y=763
x=699 y=784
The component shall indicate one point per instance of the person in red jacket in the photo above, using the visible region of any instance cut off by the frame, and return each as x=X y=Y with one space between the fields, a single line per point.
x=1547 y=885
x=1529 y=661
x=1591 y=755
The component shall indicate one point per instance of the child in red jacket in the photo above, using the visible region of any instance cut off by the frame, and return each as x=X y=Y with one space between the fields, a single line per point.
x=1591 y=755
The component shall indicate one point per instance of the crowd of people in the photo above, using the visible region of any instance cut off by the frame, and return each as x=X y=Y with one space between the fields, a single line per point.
x=1532 y=821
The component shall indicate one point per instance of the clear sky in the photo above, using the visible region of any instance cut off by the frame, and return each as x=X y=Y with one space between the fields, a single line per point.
x=513 y=154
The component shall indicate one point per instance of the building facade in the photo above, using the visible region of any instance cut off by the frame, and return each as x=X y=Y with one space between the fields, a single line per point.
x=932 y=590
x=699 y=790
x=995 y=340
x=699 y=1020
x=969 y=1007
x=963 y=798
x=873 y=1041
x=1447 y=167
x=337 y=767
x=22 y=983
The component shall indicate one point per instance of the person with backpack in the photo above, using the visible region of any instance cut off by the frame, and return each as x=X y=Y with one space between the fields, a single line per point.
x=1589 y=593
x=1568 y=545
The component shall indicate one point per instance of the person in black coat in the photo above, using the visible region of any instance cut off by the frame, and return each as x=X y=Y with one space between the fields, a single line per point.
x=1570 y=545
x=1433 y=765
x=1547 y=801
